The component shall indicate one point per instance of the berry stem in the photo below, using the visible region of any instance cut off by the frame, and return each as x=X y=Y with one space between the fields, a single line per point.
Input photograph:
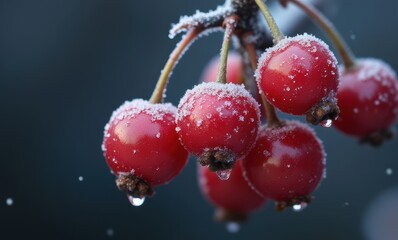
x=229 y=24
x=341 y=46
x=272 y=117
x=158 y=93
x=275 y=31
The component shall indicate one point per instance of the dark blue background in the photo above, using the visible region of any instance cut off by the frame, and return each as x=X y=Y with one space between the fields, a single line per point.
x=66 y=65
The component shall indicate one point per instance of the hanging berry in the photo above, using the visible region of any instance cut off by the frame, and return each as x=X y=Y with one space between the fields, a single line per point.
x=368 y=94
x=141 y=147
x=234 y=199
x=140 y=144
x=368 y=99
x=218 y=123
x=286 y=164
x=299 y=75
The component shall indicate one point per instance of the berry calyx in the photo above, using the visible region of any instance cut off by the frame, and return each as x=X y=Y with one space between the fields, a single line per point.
x=299 y=75
x=286 y=164
x=234 y=199
x=218 y=123
x=142 y=148
x=368 y=100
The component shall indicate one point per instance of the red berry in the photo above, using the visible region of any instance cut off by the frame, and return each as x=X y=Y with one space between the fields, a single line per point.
x=218 y=123
x=234 y=69
x=234 y=198
x=286 y=164
x=141 y=145
x=298 y=74
x=368 y=99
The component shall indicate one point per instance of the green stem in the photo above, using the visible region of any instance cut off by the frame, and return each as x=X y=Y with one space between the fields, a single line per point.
x=229 y=25
x=157 y=95
x=272 y=117
x=341 y=46
x=275 y=31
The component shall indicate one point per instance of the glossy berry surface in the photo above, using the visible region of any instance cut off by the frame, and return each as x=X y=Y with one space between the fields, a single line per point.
x=140 y=138
x=287 y=163
x=368 y=98
x=234 y=69
x=233 y=195
x=297 y=74
x=218 y=117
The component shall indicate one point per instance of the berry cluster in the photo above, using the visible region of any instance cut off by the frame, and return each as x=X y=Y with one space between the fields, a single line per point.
x=247 y=154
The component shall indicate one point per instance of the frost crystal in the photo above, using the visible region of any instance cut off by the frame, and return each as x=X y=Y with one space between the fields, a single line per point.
x=305 y=40
x=201 y=19
x=221 y=91
x=372 y=68
x=130 y=109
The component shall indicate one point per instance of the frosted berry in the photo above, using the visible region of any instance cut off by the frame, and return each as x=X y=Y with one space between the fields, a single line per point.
x=218 y=123
x=142 y=148
x=368 y=101
x=299 y=75
x=286 y=164
x=234 y=199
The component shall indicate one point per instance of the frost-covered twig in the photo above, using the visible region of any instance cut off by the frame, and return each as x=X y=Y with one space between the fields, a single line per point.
x=211 y=19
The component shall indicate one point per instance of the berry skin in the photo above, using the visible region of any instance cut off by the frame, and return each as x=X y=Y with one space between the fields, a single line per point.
x=141 y=146
x=286 y=164
x=368 y=100
x=299 y=75
x=234 y=198
x=234 y=69
x=218 y=123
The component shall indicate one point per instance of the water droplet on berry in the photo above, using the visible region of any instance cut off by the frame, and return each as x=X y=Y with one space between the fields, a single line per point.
x=136 y=202
x=81 y=178
x=326 y=123
x=232 y=227
x=224 y=174
x=299 y=207
x=389 y=171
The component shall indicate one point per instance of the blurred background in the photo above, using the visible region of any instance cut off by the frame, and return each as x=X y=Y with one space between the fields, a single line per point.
x=66 y=65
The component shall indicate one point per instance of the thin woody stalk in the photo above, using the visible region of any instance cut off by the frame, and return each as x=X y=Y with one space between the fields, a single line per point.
x=272 y=117
x=229 y=24
x=158 y=93
x=341 y=46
